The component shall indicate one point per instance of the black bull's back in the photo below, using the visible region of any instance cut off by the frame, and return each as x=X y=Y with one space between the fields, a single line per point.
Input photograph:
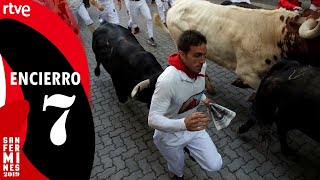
x=288 y=96
x=125 y=60
x=291 y=90
x=241 y=4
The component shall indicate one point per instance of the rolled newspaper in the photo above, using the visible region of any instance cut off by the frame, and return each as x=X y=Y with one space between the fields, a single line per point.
x=220 y=115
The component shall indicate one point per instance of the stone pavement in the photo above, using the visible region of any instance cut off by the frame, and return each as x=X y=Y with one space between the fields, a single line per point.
x=124 y=145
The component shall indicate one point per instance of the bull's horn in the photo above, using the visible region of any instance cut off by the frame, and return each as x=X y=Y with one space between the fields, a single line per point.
x=139 y=87
x=309 y=29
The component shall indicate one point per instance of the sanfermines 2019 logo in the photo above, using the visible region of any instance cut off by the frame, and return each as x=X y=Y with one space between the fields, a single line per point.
x=46 y=125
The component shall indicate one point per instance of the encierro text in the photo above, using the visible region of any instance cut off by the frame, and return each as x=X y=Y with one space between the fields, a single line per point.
x=44 y=78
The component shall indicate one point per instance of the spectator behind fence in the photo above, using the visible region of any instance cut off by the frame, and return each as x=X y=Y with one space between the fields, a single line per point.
x=315 y=4
x=290 y=5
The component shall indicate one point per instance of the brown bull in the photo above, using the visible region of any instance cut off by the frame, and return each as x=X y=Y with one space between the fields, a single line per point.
x=248 y=41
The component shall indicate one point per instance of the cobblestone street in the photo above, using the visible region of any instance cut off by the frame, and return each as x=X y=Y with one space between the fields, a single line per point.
x=124 y=144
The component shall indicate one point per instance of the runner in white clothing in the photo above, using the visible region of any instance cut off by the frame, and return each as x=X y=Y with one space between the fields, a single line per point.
x=132 y=26
x=163 y=6
x=78 y=9
x=178 y=92
x=107 y=9
x=140 y=6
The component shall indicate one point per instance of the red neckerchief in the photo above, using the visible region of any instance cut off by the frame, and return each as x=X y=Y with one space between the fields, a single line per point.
x=174 y=60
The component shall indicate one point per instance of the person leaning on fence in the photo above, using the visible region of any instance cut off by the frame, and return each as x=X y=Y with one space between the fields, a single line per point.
x=173 y=110
x=289 y=5
x=107 y=10
x=78 y=9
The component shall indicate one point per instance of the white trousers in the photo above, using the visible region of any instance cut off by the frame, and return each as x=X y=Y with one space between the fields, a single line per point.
x=109 y=14
x=163 y=6
x=141 y=6
x=199 y=144
x=83 y=13
x=130 y=23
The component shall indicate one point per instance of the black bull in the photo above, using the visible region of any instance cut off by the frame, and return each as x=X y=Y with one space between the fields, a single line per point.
x=288 y=96
x=126 y=61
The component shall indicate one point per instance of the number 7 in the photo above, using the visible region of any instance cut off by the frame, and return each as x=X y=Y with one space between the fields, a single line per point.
x=58 y=134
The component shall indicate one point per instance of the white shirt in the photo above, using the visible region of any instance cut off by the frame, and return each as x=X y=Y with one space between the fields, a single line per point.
x=175 y=97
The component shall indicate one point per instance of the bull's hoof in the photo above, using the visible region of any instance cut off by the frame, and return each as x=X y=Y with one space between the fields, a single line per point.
x=252 y=97
x=265 y=138
x=97 y=72
x=288 y=152
x=123 y=99
x=241 y=129
x=245 y=127
x=240 y=84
